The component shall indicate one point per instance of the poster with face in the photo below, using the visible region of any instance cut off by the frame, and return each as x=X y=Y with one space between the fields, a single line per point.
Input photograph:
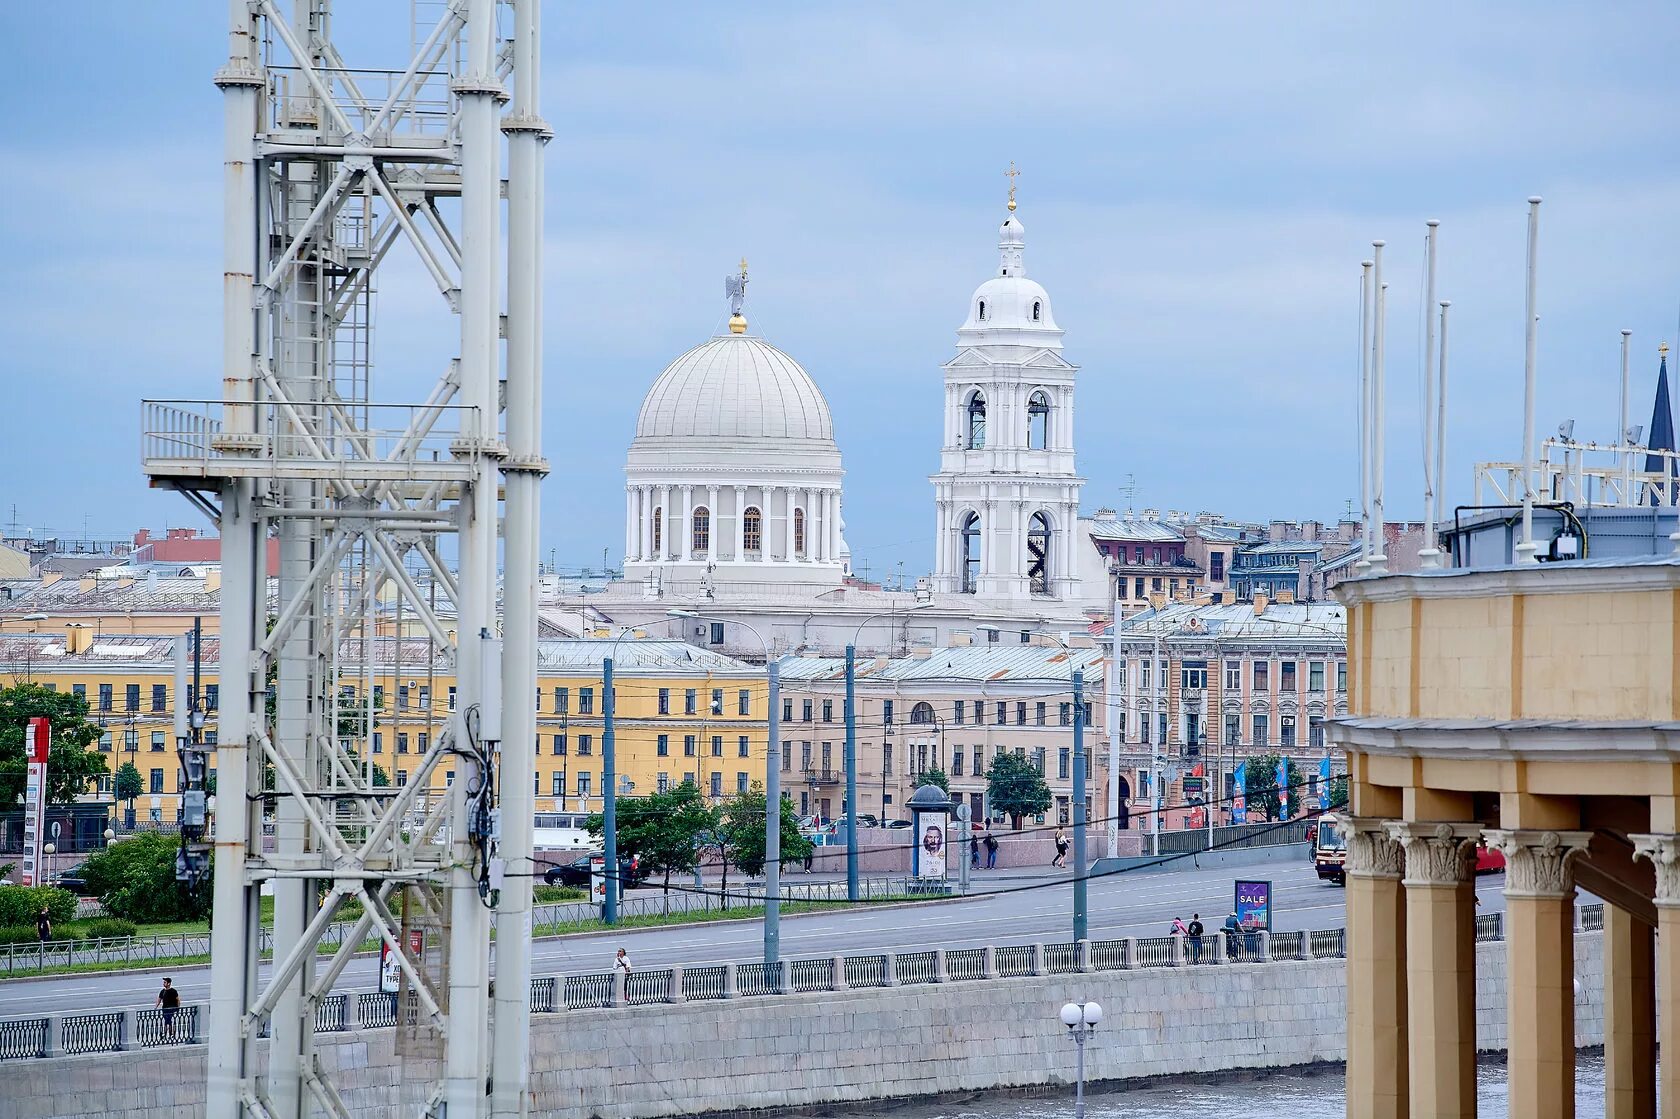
x=930 y=844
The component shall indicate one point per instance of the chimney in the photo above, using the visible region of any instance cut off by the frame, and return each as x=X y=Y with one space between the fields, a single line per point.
x=1310 y=531
x=1286 y=598
x=212 y=580
x=1278 y=532
x=1104 y=514
x=1260 y=604
x=78 y=639
x=86 y=583
x=961 y=638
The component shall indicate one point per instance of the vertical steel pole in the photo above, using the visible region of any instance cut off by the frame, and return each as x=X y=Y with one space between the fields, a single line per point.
x=773 y=821
x=1111 y=694
x=1526 y=547
x=1622 y=439
x=1079 y=1075
x=1441 y=420
x=1079 y=880
x=609 y=793
x=851 y=774
x=1364 y=414
x=1430 y=555
x=1379 y=396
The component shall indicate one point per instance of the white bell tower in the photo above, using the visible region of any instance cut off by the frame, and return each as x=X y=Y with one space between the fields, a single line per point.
x=1007 y=495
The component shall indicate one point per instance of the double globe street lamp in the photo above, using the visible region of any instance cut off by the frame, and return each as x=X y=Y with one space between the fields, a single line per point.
x=1081 y=1019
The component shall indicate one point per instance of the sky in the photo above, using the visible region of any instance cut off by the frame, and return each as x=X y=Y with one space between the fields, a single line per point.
x=1198 y=186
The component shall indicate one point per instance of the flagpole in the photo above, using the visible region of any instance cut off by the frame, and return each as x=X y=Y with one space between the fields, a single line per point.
x=1526 y=547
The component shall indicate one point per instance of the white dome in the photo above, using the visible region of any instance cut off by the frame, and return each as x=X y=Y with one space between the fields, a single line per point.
x=735 y=387
x=1010 y=303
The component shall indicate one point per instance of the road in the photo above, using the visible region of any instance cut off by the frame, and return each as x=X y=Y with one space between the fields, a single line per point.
x=1140 y=903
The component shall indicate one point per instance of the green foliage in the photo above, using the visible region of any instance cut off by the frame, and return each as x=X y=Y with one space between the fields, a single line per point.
x=135 y=879
x=20 y=904
x=548 y=895
x=1015 y=786
x=25 y=934
x=1338 y=792
x=741 y=824
x=935 y=777
x=129 y=783
x=1261 y=787
x=71 y=765
x=105 y=927
x=661 y=830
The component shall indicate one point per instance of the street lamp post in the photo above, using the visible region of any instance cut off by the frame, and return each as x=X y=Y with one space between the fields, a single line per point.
x=772 y=795
x=851 y=754
x=609 y=785
x=1081 y=1019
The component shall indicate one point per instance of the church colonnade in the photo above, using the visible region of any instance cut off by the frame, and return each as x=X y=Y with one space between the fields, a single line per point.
x=1001 y=538
x=671 y=523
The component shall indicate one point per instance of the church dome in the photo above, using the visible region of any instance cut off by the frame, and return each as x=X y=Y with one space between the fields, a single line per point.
x=1010 y=303
x=735 y=387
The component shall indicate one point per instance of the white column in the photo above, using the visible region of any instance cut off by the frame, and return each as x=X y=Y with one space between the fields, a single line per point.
x=665 y=520
x=833 y=528
x=713 y=525
x=765 y=525
x=740 y=523
x=629 y=523
x=647 y=523
x=939 y=541
x=787 y=510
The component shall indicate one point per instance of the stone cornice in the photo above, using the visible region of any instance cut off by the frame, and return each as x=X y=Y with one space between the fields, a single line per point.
x=1507 y=581
x=1663 y=853
x=1372 y=851
x=1539 y=863
x=1437 y=854
x=1505 y=740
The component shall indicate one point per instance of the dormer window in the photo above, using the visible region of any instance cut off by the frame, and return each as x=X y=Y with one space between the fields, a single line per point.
x=982 y=310
x=1037 y=308
x=1006 y=271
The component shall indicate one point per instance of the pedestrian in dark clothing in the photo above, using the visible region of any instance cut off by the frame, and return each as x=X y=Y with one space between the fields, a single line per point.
x=1195 y=930
x=991 y=851
x=168 y=1003
x=1061 y=849
x=43 y=925
x=810 y=857
x=974 y=851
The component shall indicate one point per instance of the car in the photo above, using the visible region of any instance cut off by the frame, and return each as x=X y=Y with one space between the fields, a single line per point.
x=73 y=879
x=576 y=872
x=898 y=823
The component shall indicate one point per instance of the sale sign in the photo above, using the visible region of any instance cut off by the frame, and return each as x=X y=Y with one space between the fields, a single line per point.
x=37 y=740
x=1254 y=905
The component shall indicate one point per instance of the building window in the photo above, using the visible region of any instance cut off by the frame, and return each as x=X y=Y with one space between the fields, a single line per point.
x=1038 y=713
x=1286 y=677
x=979 y=762
x=1216 y=567
x=690 y=747
x=886 y=759
x=805 y=756
x=717 y=745
x=105 y=741
x=664 y=782
x=805 y=711
x=1064 y=758
x=827 y=755
x=160 y=697
x=958 y=709
x=423 y=741
x=799 y=531
x=717 y=633
x=981 y=310
x=787 y=756
x=586 y=701
x=664 y=701
x=559 y=745
x=979 y=711
x=701 y=533
x=1038 y=415
x=1261 y=731
x=1233 y=676
x=976 y=421
x=1315 y=732
x=157 y=741
x=1233 y=728
x=787 y=710
x=1143 y=675
x=828 y=711
x=402 y=697
x=743 y=702
x=557 y=784
x=717 y=784
x=583 y=784
x=1021 y=713
x=658 y=529
x=1064 y=714
x=956 y=761
x=1038 y=310
x=452 y=697
x=562 y=701
x=887 y=712
x=1038 y=553
x=402 y=742
x=717 y=701
x=585 y=746
x=922 y=714
x=1000 y=715
x=155 y=784
x=1193 y=675
x=752 y=529
x=691 y=701
x=1137 y=584
x=1286 y=731
x=743 y=747
x=1315 y=676
x=131 y=697
x=1341 y=676
x=663 y=746
x=104 y=697
x=740 y=781
x=971 y=553
x=378 y=742
x=1262 y=677
x=426 y=699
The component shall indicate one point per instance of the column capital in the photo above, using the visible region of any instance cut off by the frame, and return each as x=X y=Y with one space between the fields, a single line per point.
x=1663 y=853
x=1372 y=851
x=1539 y=862
x=1437 y=853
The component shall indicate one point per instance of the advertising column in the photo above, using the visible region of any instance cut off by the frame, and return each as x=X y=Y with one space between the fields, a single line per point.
x=36 y=740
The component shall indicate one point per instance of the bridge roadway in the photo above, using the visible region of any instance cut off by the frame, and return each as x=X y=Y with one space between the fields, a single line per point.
x=1141 y=903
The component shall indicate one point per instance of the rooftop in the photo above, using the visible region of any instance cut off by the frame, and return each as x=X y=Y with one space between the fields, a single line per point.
x=963 y=664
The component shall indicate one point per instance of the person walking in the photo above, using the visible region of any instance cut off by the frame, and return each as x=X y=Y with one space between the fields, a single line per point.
x=43 y=925
x=1194 y=932
x=168 y=1002
x=1061 y=850
x=1178 y=928
x=991 y=844
x=974 y=851
x=621 y=962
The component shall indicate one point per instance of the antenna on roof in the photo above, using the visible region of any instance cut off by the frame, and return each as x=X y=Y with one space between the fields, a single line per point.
x=1130 y=490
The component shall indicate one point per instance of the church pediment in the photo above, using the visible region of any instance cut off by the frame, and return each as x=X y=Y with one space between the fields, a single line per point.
x=971 y=356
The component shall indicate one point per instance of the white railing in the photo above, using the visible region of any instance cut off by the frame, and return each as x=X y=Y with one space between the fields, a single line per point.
x=1584 y=474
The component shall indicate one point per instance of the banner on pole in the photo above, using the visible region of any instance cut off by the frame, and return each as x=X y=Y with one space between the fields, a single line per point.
x=1324 y=783
x=37 y=741
x=1283 y=788
x=1239 y=795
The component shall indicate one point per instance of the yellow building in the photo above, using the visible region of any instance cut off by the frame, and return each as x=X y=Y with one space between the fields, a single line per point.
x=681 y=713
x=1534 y=710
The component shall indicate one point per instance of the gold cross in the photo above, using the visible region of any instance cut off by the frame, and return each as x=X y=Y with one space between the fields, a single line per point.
x=1012 y=175
x=1663 y=349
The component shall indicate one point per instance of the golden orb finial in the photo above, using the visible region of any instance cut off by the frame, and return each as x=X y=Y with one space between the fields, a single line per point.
x=1662 y=349
x=1012 y=174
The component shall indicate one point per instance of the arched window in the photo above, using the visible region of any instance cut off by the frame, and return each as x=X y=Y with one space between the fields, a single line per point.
x=982 y=310
x=658 y=525
x=971 y=553
x=1038 y=421
x=1038 y=553
x=1037 y=310
x=752 y=529
x=702 y=529
x=799 y=532
x=922 y=714
x=976 y=422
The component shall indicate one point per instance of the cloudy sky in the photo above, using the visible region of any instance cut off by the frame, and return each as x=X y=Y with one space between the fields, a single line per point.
x=1198 y=187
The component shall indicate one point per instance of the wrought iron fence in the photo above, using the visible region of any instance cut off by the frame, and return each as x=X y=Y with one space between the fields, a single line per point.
x=1156 y=951
x=1327 y=943
x=92 y=1033
x=865 y=971
x=586 y=992
x=966 y=963
x=1490 y=926
x=23 y=1037
x=646 y=986
x=1108 y=955
x=1061 y=959
x=812 y=975
x=709 y=982
x=916 y=967
x=758 y=979
x=1015 y=959
x=1288 y=945
x=378 y=1008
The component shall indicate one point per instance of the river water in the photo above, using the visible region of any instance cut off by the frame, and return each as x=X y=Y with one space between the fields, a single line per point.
x=1316 y=1093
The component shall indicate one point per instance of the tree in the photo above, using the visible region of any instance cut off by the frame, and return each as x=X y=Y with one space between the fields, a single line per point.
x=744 y=830
x=1338 y=792
x=935 y=777
x=1260 y=786
x=135 y=879
x=662 y=830
x=1015 y=786
x=70 y=762
x=128 y=784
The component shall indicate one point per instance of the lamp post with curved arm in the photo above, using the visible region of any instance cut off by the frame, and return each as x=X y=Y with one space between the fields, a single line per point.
x=609 y=783
x=772 y=793
x=851 y=751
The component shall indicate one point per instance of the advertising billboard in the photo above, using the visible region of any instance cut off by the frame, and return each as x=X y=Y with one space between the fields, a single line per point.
x=1239 y=795
x=1254 y=905
x=37 y=740
x=390 y=971
x=930 y=845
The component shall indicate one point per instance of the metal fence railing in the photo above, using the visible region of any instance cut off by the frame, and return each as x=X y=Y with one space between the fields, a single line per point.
x=111 y=1031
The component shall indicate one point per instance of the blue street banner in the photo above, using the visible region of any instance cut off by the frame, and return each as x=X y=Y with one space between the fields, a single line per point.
x=1254 y=905
x=1239 y=795
x=1324 y=784
x=1283 y=788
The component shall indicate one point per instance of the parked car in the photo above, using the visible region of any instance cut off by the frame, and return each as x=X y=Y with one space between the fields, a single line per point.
x=73 y=879
x=576 y=872
x=898 y=823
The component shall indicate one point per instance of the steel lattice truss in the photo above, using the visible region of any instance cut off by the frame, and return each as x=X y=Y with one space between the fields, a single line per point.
x=387 y=516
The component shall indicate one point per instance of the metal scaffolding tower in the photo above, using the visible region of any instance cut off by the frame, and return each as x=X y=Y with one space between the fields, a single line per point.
x=333 y=176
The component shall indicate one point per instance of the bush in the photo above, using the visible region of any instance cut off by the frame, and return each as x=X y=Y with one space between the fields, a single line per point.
x=547 y=895
x=135 y=879
x=21 y=934
x=20 y=904
x=105 y=927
